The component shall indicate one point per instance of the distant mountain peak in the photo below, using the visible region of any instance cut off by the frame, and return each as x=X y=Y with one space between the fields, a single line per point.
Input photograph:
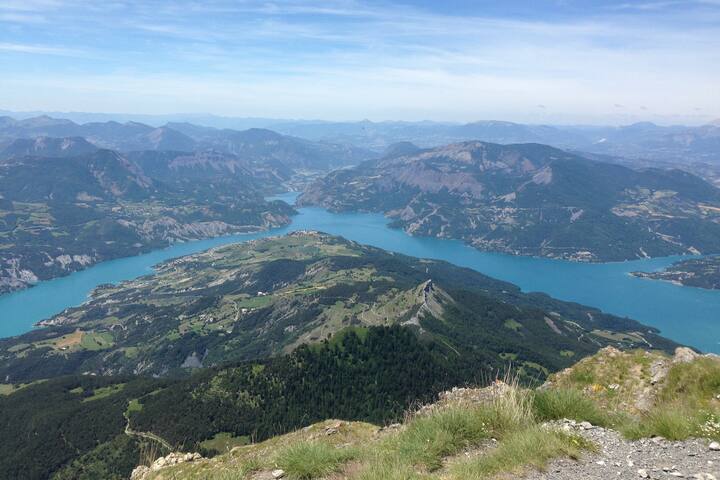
x=45 y=121
x=401 y=148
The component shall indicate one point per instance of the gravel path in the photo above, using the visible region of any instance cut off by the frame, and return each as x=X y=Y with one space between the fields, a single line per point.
x=618 y=458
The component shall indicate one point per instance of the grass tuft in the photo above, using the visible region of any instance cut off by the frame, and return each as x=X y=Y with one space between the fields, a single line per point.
x=307 y=460
x=429 y=438
x=567 y=403
x=530 y=447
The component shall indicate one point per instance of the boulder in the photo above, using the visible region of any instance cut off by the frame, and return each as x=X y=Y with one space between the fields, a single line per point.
x=684 y=355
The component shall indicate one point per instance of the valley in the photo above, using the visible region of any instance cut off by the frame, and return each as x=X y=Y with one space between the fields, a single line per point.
x=359 y=240
x=684 y=314
x=201 y=311
x=73 y=195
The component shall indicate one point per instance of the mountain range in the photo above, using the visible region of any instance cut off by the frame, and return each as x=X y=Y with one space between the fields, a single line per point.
x=530 y=199
x=679 y=144
x=642 y=141
x=253 y=144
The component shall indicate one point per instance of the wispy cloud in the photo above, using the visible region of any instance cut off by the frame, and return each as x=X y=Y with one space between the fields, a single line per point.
x=39 y=50
x=22 y=18
x=34 y=5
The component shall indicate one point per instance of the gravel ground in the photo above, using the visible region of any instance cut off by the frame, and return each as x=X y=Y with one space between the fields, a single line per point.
x=618 y=458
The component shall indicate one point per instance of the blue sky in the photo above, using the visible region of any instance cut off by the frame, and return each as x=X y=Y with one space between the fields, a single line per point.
x=536 y=61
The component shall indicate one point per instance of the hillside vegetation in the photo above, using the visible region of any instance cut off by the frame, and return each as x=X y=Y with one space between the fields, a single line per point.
x=59 y=215
x=501 y=429
x=696 y=272
x=262 y=298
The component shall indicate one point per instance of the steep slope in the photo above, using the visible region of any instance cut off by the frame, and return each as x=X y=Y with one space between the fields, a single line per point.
x=374 y=374
x=504 y=430
x=532 y=199
x=265 y=297
x=212 y=166
x=61 y=215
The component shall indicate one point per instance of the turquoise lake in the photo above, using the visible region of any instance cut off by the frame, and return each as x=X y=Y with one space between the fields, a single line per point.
x=687 y=315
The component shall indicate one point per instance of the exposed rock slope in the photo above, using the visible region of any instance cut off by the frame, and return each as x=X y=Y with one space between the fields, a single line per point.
x=531 y=199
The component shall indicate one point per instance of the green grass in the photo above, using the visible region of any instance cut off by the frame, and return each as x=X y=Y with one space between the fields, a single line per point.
x=671 y=424
x=567 y=403
x=256 y=302
x=336 y=340
x=224 y=442
x=429 y=438
x=19 y=347
x=308 y=460
x=131 y=352
x=696 y=383
x=96 y=341
x=7 y=388
x=390 y=468
x=134 y=406
x=686 y=406
x=240 y=471
x=104 y=392
x=530 y=447
x=512 y=324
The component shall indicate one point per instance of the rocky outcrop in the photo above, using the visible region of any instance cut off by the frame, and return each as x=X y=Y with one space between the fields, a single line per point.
x=142 y=472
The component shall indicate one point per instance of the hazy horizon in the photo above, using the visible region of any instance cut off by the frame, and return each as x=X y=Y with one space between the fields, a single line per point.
x=550 y=62
x=214 y=120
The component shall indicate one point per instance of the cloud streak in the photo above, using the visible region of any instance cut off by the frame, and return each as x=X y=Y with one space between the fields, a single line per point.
x=39 y=50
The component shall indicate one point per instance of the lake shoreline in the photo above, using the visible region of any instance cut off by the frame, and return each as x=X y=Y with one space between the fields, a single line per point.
x=606 y=286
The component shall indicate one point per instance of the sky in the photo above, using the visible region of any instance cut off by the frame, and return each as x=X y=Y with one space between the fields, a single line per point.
x=541 y=61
